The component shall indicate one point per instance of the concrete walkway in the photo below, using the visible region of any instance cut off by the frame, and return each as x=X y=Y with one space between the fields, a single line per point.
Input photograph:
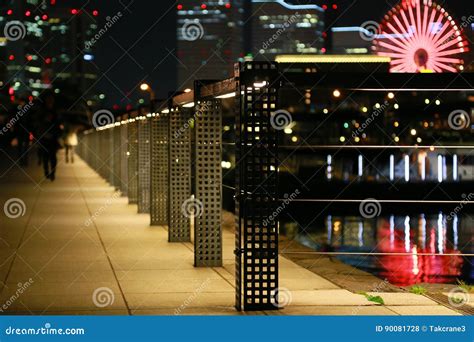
x=80 y=248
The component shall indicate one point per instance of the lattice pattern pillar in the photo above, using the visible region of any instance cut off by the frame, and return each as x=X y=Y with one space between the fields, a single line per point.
x=208 y=180
x=132 y=161
x=124 y=157
x=159 y=169
x=111 y=155
x=144 y=165
x=179 y=176
x=256 y=183
x=117 y=155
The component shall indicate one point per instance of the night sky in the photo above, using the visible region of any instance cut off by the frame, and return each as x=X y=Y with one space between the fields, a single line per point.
x=141 y=46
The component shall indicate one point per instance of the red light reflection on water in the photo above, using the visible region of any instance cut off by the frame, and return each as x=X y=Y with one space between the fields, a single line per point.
x=415 y=268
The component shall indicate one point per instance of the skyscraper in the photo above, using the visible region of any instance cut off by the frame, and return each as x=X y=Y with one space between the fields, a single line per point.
x=278 y=27
x=210 y=36
x=43 y=43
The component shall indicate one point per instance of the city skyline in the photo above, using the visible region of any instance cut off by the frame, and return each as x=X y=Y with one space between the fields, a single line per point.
x=156 y=31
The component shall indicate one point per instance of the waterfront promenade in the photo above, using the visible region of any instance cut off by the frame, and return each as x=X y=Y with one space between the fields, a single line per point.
x=80 y=248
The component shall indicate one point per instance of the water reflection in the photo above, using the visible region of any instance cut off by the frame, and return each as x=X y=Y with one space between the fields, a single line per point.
x=447 y=236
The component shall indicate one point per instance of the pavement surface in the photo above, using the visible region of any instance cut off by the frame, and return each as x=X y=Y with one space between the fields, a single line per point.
x=75 y=246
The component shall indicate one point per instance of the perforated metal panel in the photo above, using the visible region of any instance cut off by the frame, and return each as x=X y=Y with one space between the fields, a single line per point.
x=159 y=169
x=132 y=162
x=102 y=147
x=180 y=175
x=111 y=156
x=98 y=151
x=144 y=165
x=256 y=194
x=208 y=180
x=117 y=156
x=124 y=158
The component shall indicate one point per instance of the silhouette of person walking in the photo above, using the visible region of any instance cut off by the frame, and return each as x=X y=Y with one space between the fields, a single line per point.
x=49 y=133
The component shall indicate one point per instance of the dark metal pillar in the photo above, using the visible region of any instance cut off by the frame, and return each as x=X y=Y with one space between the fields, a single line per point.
x=256 y=187
x=144 y=163
x=180 y=201
x=117 y=155
x=208 y=180
x=132 y=160
x=110 y=161
x=159 y=168
x=124 y=156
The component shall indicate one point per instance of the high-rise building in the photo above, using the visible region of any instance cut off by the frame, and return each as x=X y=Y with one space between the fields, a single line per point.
x=279 y=27
x=43 y=43
x=210 y=39
x=349 y=40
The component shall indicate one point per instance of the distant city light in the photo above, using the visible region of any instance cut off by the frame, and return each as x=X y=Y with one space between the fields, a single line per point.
x=440 y=168
x=413 y=131
x=391 y=95
x=336 y=93
x=407 y=167
x=392 y=167
x=455 y=167
x=396 y=106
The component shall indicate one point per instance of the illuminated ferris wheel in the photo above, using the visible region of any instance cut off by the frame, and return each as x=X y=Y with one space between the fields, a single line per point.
x=421 y=36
